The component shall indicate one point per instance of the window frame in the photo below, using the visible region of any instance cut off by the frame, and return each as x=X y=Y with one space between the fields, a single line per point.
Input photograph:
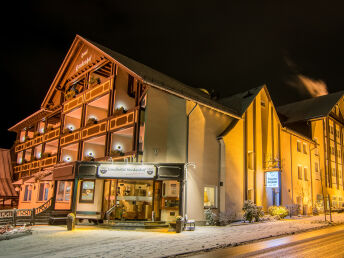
x=66 y=182
x=298 y=146
x=27 y=194
x=299 y=172
x=215 y=197
x=81 y=188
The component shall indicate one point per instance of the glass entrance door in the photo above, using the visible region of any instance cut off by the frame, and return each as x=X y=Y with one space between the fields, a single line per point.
x=109 y=198
x=135 y=199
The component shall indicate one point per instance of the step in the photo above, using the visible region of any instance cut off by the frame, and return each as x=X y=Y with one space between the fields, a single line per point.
x=133 y=226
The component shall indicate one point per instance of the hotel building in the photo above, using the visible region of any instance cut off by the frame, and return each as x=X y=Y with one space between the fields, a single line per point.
x=117 y=140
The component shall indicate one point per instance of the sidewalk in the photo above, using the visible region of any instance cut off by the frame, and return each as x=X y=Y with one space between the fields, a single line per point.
x=91 y=241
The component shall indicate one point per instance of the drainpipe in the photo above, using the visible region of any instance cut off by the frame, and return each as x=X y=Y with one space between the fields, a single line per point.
x=187 y=159
x=221 y=183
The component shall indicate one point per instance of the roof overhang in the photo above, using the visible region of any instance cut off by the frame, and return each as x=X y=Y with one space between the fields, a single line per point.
x=35 y=117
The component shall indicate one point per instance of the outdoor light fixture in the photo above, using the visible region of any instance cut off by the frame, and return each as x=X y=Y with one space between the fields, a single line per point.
x=90 y=154
x=71 y=127
x=92 y=117
x=68 y=158
x=119 y=147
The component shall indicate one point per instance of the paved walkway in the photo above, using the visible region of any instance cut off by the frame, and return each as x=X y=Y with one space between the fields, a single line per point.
x=90 y=241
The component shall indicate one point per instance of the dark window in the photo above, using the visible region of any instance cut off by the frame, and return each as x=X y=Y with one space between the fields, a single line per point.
x=41 y=192
x=27 y=193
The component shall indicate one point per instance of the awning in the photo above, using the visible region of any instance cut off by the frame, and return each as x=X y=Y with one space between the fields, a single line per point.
x=64 y=172
x=47 y=178
x=19 y=182
x=31 y=180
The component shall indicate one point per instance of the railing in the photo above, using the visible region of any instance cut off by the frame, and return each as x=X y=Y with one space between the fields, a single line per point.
x=109 y=211
x=87 y=96
x=70 y=138
x=38 y=140
x=44 y=206
x=122 y=120
x=6 y=214
x=49 y=161
x=94 y=130
x=16 y=216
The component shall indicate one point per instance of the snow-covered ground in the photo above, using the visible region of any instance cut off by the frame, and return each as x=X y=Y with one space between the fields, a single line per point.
x=91 y=241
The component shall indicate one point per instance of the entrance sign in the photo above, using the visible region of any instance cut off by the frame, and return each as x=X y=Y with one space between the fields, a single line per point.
x=272 y=179
x=126 y=171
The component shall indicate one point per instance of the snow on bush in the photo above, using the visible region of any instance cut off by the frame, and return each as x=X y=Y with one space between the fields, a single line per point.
x=280 y=211
x=252 y=211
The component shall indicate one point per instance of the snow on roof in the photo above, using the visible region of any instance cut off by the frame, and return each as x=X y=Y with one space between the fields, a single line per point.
x=158 y=79
x=310 y=108
x=241 y=101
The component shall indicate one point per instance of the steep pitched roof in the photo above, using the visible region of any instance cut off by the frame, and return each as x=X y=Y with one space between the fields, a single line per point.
x=162 y=81
x=310 y=108
x=241 y=101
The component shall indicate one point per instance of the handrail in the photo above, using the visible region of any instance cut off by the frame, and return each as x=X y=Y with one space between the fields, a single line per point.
x=44 y=206
x=109 y=211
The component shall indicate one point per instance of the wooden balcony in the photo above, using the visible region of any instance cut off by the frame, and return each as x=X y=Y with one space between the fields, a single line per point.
x=73 y=103
x=98 y=90
x=94 y=130
x=70 y=138
x=87 y=96
x=46 y=162
x=122 y=120
x=51 y=135
x=20 y=147
x=38 y=140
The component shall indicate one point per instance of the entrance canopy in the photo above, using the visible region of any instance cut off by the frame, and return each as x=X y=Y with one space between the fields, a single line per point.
x=121 y=170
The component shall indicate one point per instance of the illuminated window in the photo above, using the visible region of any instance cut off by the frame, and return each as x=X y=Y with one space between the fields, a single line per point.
x=299 y=171
x=331 y=129
x=64 y=189
x=20 y=157
x=27 y=193
x=87 y=191
x=209 y=196
x=298 y=146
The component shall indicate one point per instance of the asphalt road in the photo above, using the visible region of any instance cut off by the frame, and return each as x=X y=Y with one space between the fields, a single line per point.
x=328 y=242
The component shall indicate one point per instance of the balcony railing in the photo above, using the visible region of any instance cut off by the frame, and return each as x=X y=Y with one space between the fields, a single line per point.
x=87 y=96
x=38 y=140
x=46 y=162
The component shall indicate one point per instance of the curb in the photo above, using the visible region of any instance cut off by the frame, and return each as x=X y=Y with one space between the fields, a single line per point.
x=206 y=250
x=12 y=236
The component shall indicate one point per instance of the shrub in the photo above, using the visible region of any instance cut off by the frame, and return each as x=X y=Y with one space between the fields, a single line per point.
x=252 y=211
x=210 y=217
x=280 y=211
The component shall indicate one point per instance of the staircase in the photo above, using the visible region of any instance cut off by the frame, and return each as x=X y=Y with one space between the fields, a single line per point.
x=40 y=215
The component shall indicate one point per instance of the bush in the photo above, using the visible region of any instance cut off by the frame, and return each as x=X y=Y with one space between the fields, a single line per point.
x=280 y=211
x=252 y=211
x=210 y=217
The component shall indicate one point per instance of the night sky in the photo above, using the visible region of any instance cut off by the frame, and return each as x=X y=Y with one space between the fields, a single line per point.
x=227 y=46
